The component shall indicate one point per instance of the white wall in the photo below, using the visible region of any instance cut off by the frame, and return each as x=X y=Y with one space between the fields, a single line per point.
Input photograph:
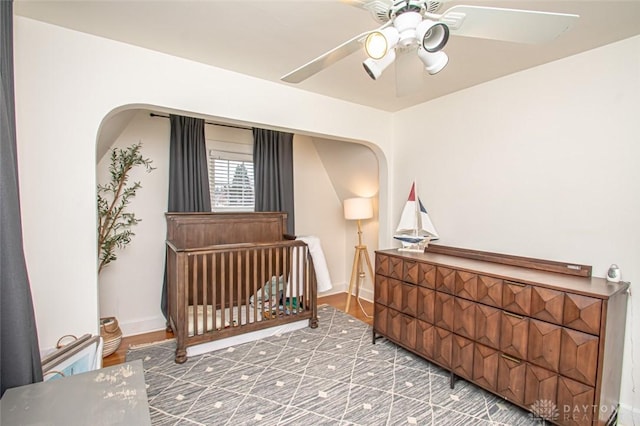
x=318 y=208
x=67 y=83
x=542 y=163
x=130 y=288
x=354 y=172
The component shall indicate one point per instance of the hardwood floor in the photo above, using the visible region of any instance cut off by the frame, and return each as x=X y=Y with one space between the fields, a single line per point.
x=338 y=301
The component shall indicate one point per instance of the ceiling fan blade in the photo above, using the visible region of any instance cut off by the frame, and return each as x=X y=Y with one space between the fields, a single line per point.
x=379 y=9
x=519 y=26
x=408 y=70
x=323 y=61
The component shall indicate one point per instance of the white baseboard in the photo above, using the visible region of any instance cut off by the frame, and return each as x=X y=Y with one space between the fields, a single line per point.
x=336 y=289
x=365 y=293
x=628 y=415
x=143 y=325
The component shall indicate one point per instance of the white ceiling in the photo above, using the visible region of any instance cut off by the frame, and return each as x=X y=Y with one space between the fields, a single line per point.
x=269 y=38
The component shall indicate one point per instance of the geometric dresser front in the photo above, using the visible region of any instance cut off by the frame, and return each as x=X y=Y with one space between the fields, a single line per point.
x=548 y=342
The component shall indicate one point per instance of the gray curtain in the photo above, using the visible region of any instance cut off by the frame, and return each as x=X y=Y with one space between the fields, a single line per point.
x=188 y=174
x=19 y=351
x=273 y=168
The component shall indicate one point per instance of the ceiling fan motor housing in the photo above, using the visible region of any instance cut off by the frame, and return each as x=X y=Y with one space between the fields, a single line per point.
x=406 y=24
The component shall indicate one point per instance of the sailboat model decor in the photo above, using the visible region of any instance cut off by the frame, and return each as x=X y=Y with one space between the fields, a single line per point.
x=415 y=229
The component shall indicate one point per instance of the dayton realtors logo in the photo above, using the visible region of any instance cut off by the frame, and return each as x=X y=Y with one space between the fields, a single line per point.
x=543 y=409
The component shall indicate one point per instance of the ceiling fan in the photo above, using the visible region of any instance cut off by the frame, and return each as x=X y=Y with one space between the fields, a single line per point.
x=413 y=28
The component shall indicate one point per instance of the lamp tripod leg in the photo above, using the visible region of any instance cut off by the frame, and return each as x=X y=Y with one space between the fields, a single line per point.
x=368 y=261
x=354 y=277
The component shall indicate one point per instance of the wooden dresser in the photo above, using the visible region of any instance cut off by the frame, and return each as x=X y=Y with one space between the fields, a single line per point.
x=549 y=342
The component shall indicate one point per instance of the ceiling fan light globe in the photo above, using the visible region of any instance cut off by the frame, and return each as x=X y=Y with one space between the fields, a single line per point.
x=378 y=43
x=375 y=67
x=432 y=36
x=433 y=62
x=375 y=45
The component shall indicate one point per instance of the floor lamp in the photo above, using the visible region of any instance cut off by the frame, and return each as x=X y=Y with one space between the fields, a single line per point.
x=358 y=209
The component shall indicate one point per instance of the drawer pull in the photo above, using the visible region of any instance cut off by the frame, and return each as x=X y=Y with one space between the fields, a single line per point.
x=515 y=283
x=510 y=358
x=511 y=314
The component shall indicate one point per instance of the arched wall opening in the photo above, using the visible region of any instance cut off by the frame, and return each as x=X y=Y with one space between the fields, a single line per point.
x=326 y=171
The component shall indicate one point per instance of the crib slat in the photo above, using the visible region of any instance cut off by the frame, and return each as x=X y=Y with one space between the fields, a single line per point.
x=247 y=274
x=254 y=291
x=203 y=288
x=268 y=277
x=232 y=279
x=223 y=286
x=238 y=287
x=287 y=277
x=262 y=274
x=194 y=291
x=214 y=272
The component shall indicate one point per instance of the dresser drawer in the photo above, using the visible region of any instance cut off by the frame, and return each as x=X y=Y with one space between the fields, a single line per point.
x=446 y=280
x=547 y=304
x=464 y=318
x=582 y=313
x=579 y=356
x=443 y=310
x=544 y=344
x=426 y=275
x=466 y=285
x=541 y=385
x=425 y=345
x=402 y=329
x=408 y=301
x=442 y=344
x=487 y=325
x=489 y=291
x=511 y=378
x=516 y=297
x=410 y=271
x=514 y=337
x=389 y=266
x=575 y=402
x=462 y=356
x=381 y=290
x=426 y=304
x=485 y=366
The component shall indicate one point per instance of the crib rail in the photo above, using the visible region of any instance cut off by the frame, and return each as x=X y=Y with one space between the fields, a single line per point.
x=224 y=290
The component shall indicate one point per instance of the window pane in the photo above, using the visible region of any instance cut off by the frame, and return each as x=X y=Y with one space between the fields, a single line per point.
x=231 y=184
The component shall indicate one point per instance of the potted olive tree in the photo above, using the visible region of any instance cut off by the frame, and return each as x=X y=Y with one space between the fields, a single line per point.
x=115 y=223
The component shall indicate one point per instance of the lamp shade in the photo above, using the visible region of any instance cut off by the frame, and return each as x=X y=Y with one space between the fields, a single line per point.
x=358 y=208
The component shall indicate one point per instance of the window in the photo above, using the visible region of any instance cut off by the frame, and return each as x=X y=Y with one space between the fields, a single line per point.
x=231 y=181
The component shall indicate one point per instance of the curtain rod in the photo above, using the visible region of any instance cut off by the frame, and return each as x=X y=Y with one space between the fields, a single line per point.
x=152 y=114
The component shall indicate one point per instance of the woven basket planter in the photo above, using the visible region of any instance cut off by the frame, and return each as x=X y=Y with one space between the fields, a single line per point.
x=111 y=335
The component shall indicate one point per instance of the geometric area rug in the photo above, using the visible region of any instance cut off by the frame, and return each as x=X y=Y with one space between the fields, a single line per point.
x=331 y=375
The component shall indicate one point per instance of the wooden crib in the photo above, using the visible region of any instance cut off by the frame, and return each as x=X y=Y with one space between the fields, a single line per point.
x=233 y=273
